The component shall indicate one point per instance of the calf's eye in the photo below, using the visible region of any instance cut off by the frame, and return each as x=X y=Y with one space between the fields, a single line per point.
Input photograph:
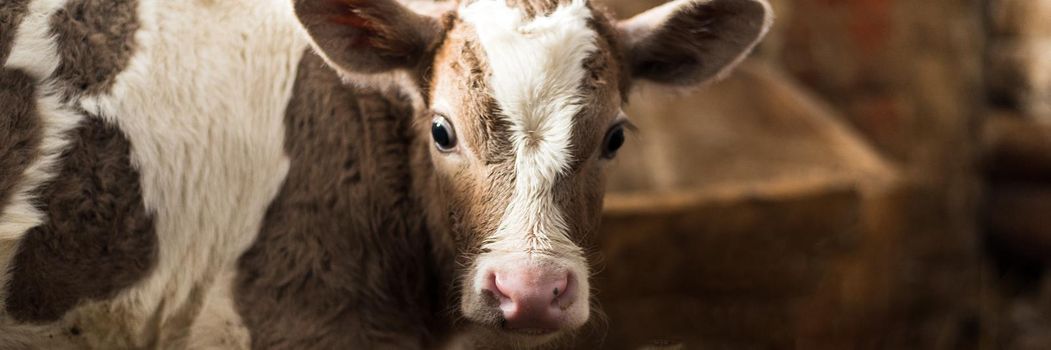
x=444 y=134
x=613 y=142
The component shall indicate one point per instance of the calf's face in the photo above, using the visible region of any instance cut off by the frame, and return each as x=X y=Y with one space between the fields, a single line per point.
x=520 y=102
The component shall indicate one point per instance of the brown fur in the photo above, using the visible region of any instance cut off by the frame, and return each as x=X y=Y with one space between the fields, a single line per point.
x=95 y=42
x=580 y=193
x=342 y=261
x=11 y=14
x=98 y=239
x=697 y=42
x=470 y=200
x=366 y=37
x=20 y=130
x=485 y=130
x=612 y=44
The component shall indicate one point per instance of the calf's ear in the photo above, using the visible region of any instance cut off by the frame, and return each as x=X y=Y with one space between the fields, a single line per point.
x=369 y=36
x=687 y=42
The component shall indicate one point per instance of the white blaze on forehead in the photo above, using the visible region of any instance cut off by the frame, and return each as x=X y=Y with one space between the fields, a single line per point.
x=537 y=69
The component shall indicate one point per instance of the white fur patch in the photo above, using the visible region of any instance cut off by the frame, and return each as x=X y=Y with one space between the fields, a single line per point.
x=34 y=48
x=537 y=72
x=34 y=52
x=202 y=103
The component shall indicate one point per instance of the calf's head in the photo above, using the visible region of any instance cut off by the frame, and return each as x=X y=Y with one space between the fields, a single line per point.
x=519 y=114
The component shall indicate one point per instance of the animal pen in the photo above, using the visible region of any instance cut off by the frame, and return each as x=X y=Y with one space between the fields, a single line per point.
x=876 y=176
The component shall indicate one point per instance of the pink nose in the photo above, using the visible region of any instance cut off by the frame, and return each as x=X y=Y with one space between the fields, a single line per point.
x=533 y=299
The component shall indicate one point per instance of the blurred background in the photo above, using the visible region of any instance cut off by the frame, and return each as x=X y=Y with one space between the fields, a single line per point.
x=876 y=176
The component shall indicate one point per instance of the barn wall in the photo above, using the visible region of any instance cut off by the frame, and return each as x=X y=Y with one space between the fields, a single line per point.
x=908 y=76
x=908 y=79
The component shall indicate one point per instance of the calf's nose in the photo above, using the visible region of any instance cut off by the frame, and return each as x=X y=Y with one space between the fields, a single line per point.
x=534 y=299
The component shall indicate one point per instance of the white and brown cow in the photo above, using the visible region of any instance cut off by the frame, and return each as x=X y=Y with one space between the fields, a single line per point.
x=324 y=174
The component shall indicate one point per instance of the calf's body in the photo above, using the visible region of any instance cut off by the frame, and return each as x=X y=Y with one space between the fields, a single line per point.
x=200 y=131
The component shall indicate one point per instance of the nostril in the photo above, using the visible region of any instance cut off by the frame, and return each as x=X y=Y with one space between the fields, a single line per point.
x=561 y=287
x=501 y=287
x=493 y=287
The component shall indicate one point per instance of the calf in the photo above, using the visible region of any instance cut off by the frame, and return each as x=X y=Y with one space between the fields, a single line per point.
x=320 y=173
